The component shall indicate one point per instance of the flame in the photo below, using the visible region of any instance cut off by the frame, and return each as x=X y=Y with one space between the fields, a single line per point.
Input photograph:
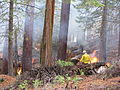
x=93 y=54
x=108 y=64
x=19 y=70
x=94 y=60
x=33 y=60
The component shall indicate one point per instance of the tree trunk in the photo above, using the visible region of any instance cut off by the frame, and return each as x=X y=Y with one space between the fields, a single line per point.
x=27 y=43
x=46 y=45
x=103 y=33
x=15 y=51
x=16 y=45
x=119 y=36
x=10 y=40
x=63 y=34
x=5 y=55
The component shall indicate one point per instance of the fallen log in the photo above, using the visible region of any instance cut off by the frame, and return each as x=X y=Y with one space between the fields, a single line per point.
x=88 y=69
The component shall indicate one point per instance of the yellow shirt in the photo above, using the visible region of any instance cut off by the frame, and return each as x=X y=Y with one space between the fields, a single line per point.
x=85 y=58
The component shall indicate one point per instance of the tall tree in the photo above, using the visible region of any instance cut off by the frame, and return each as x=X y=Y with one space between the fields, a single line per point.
x=15 y=49
x=27 y=43
x=103 y=33
x=10 y=39
x=5 y=55
x=119 y=35
x=63 y=34
x=46 y=44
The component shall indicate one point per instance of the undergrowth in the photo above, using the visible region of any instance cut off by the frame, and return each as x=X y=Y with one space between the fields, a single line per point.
x=64 y=63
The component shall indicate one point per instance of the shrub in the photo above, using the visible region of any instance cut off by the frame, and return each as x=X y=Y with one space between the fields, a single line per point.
x=64 y=63
x=1 y=80
x=24 y=85
x=66 y=78
x=37 y=83
x=59 y=79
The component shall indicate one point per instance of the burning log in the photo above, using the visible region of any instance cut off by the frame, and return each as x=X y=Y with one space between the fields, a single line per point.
x=95 y=66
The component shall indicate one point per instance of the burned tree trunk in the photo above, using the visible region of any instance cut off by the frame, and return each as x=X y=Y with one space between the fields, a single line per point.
x=103 y=33
x=27 y=43
x=63 y=34
x=10 y=40
x=46 y=44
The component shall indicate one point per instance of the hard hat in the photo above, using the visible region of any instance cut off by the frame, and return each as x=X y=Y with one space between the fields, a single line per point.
x=84 y=51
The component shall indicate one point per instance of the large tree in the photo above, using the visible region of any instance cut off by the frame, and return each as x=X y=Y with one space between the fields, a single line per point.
x=119 y=35
x=63 y=34
x=46 y=44
x=5 y=55
x=10 y=39
x=27 y=43
x=103 y=33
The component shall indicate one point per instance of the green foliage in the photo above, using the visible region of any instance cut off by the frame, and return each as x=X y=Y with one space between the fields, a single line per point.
x=23 y=85
x=11 y=89
x=66 y=78
x=94 y=3
x=37 y=83
x=75 y=79
x=81 y=72
x=88 y=3
x=64 y=63
x=59 y=79
x=1 y=80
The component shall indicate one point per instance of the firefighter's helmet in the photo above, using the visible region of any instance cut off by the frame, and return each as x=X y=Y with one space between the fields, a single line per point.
x=84 y=51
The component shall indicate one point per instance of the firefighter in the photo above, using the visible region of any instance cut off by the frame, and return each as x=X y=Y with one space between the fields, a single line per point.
x=85 y=58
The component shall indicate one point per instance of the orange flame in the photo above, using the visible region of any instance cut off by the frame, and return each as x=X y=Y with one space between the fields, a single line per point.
x=94 y=60
x=108 y=64
x=19 y=70
x=33 y=60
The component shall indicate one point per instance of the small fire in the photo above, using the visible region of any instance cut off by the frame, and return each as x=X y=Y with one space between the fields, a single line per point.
x=108 y=64
x=33 y=60
x=19 y=70
x=94 y=60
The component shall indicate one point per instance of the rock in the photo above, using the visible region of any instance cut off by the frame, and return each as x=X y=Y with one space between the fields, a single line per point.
x=102 y=69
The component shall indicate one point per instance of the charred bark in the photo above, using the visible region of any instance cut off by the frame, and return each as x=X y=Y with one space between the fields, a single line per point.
x=103 y=32
x=27 y=43
x=46 y=44
x=63 y=34
x=10 y=40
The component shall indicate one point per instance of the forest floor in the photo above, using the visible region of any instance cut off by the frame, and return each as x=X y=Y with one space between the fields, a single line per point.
x=88 y=83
